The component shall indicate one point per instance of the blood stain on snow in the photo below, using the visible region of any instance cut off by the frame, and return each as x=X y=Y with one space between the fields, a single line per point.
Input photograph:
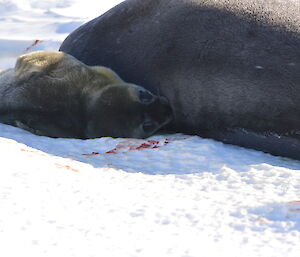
x=67 y=167
x=263 y=220
x=294 y=206
x=35 y=42
x=32 y=151
x=133 y=145
x=91 y=154
x=293 y=209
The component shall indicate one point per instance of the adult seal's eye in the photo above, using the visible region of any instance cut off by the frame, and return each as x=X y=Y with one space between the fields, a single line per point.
x=145 y=97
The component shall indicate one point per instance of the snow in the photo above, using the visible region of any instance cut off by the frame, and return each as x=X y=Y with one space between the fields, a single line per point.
x=169 y=195
x=24 y=21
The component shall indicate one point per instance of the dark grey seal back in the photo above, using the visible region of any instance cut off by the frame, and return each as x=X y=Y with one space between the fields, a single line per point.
x=230 y=68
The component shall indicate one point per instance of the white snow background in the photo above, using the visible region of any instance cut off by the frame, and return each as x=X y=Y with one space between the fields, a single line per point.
x=175 y=195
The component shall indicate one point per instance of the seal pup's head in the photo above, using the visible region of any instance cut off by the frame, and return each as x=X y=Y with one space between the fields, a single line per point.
x=121 y=109
x=95 y=96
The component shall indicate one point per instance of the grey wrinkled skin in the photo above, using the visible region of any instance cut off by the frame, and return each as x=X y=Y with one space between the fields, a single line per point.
x=229 y=68
x=53 y=94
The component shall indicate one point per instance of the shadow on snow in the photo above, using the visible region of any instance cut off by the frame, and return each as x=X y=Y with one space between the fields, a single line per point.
x=160 y=154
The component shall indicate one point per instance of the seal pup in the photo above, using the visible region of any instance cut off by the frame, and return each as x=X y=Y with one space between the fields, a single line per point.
x=229 y=68
x=53 y=94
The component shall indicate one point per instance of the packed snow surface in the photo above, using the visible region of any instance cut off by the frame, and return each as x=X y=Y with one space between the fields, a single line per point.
x=169 y=195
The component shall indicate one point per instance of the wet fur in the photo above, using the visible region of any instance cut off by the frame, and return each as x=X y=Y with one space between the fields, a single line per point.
x=53 y=94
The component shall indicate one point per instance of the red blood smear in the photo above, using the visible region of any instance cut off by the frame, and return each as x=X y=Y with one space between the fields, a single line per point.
x=35 y=42
x=149 y=144
x=294 y=201
x=89 y=154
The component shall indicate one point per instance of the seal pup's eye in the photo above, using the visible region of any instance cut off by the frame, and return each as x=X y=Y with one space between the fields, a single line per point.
x=145 y=97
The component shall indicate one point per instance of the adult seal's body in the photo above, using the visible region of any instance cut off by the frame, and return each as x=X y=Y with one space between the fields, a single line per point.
x=53 y=94
x=230 y=68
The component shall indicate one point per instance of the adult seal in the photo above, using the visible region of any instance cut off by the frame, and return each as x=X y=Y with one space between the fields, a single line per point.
x=229 y=68
x=53 y=94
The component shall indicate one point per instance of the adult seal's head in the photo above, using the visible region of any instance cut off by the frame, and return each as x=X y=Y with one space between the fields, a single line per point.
x=54 y=94
x=229 y=68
